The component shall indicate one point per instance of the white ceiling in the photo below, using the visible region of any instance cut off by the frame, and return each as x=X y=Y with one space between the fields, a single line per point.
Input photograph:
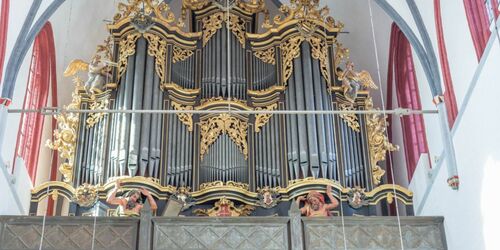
x=80 y=25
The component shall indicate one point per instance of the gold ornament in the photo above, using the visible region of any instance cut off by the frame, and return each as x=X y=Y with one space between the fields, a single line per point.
x=225 y=208
x=96 y=117
x=350 y=118
x=212 y=23
x=127 y=48
x=180 y=54
x=158 y=48
x=156 y=8
x=185 y=118
x=85 y=195
x=262 y=119
x=221 y=184
x=267 y=55
x=212 y=127
x=290 y=50
x=378 y=142
x=319 y=50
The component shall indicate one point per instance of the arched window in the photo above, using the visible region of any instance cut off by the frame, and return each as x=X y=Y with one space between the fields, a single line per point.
x=402 y=71
x=42 y=77
x=449 y=93
x=4 y=24
x=477 y=16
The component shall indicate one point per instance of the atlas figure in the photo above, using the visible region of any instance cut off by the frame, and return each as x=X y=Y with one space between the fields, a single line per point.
x=315 y=205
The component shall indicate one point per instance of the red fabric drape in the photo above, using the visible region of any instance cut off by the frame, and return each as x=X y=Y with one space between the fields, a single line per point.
x=42 y=75
x=402 y=72
x=449 y=94
x=478 y=24
x=4 y=25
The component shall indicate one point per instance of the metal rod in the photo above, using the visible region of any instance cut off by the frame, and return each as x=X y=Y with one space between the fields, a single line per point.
x=55 y=111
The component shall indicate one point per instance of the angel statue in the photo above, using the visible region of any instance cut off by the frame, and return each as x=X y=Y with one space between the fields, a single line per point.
x=98 y=69
x=353 y=82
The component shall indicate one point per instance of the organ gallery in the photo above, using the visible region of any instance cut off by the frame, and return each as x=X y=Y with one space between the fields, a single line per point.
x=214 y=106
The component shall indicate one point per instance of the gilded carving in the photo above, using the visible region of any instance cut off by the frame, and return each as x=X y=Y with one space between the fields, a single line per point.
x=96 y=117
x=210 y=26
x=268 y=197
x=66 y=133
x=214 y=22
x=98 y=70
x=158 y=48
x=353 y=82
x=180 y=54
x=378 y=142
x=225 y=208
x=212 y=127
x=350 y=118
x=185 y=118
x=262 y=119
x=290 y=50
x=127 y=48
x=85 y=195
x=307 y=12
x=133 y=8
x=234 y=184
x=267 y=56
x=356 y=197
x=252 y=6
x=319 y=50
x=177 y=88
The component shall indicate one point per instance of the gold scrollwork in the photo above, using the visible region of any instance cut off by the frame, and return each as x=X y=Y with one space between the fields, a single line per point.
x=127 y=48
x=377 y=140
x=157 y=48
x=267 y=56
x=85 y=195
x=66 y=133
x=262 y=119
x=160 y=9
x=214 y=22
x=319 y=50
x=213 y=184
x=350 y=118
x=96 y=117
x=225 y=208
x=223 y=124
x=185 y=118
x=290 y=50
x=180 y=54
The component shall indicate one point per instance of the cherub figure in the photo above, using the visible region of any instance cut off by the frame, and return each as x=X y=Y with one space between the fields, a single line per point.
x=315 y=205
x=353 y=82
x=131 y=203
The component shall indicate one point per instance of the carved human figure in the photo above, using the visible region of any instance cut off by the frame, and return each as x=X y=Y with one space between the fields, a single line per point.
x=131 y=203
x=349 y=83
x=97 y=75
x=315 y=205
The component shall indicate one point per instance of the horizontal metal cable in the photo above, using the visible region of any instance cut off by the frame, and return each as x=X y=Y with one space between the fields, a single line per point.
x=55 y=111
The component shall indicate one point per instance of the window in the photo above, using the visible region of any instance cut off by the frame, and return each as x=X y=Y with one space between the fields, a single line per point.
x=402 y=75
x=41 y=78
x=491 y=9
x=4 y=24
x=477 y=16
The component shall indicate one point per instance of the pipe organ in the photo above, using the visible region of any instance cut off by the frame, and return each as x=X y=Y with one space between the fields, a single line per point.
x=225 y=57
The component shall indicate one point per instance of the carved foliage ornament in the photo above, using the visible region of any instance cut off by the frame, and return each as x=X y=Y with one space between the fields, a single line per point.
x=180 y=54
x=96 y=117
x=65 y=135
x=262 y=119
x=267 y=55
x=157 y=48
x=268 y=197
x=185 y=118
x=291 y=50
x=127 y=48
x=225 y=208
x=133 y=8
x=378 y=142
x=85 y=195
x=356 y=197
x=306 y=11
x=212 y=127
x=350 y=118
x=214 y=22
x=207 y=185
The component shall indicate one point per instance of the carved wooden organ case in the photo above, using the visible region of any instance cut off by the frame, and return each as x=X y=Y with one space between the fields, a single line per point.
x=226 y=58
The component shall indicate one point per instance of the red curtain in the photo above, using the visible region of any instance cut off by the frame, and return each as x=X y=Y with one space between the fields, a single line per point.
x=402 y=73
x=4 y=25
x=449 y=94
x=42 y=76
x=478 y=24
